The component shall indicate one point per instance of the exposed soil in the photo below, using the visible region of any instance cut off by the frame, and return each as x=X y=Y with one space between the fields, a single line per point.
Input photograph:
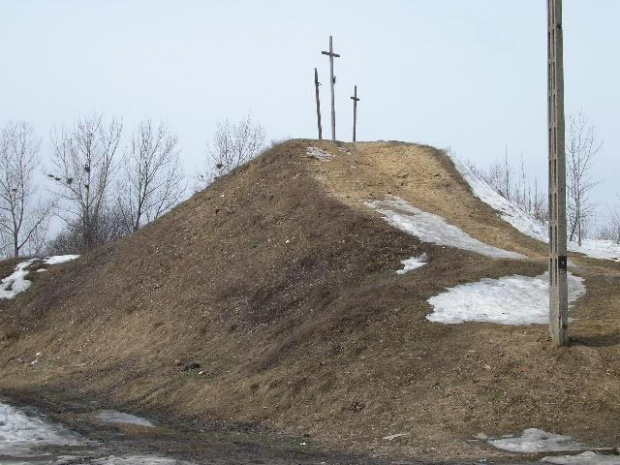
x=280 y=283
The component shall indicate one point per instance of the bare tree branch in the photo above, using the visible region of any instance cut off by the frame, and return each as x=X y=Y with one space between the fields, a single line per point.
x=234 y=144
x=582 y=145
x=153 y=179
x=84 y=166
x=24 y=217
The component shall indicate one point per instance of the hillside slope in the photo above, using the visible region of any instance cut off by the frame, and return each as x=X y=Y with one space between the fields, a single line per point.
x=280 y=282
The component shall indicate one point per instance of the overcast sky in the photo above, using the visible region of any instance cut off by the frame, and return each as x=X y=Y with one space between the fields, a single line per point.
x=465 y=74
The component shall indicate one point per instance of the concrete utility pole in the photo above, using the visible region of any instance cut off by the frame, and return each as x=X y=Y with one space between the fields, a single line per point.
x=558 y=293
x=332 y=79
x=355 y=100
x=318 y=103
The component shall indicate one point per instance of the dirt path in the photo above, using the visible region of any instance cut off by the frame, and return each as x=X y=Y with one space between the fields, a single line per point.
x=193 y=442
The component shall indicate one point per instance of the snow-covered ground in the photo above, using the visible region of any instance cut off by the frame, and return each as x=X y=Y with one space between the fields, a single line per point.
x=511 y=213
x=585 y=458
x=511 y=300
x=17 y=283
x=412 y=263
x=58 y=259
x=434 y=229
x=114 y=417
x=21 y=433
x=319 y=154
x=125 y=460
x=535 y=440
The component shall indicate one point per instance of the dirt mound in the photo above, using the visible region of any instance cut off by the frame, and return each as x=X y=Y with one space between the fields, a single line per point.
x=281 y=285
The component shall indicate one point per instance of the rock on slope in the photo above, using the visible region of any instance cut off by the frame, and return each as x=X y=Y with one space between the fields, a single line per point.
x=281 y=284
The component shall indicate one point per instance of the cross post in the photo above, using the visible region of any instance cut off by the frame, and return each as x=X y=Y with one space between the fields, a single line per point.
x=332 y=81
x=318 y=103
x=355 y=100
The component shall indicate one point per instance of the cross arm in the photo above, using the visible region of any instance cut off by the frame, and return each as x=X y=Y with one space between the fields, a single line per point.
x=331 y=54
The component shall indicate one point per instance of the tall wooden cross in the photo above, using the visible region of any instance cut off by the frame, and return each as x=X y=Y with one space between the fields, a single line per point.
x=558 y=294
x=355 y=100
x=332 y=81
x=318 y=103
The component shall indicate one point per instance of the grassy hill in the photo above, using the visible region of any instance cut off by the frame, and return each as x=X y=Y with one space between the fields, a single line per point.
x=280 y=282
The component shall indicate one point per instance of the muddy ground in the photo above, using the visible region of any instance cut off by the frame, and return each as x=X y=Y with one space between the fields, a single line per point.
x=195 y=441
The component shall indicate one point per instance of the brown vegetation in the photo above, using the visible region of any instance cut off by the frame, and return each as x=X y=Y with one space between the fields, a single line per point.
x=281 y=285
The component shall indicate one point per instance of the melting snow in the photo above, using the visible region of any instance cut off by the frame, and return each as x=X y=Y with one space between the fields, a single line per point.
x=432 y=228
x=114 y=417
x=511 y=300
x=585 y=458
x=536 y=440
x=59 y=259
x=17 y=283
x=135 y=460
x=391 y=437
x=315 y=152
x=21 y=433
x=511 y=213
x=412 y=263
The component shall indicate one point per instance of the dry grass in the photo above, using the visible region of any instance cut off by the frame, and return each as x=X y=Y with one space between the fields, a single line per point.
x=281 y=284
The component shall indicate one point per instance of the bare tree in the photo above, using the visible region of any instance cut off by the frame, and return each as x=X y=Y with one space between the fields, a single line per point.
x=582 y=145
x=84 y=164
x=110 y=227
x=24 y=216
x=153 y=179
x=522 y=193
x=235 y=144
x=611 y=229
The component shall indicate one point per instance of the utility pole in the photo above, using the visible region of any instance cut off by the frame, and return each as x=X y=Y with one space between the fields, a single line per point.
x=318 y=103
x=355 y=100
x=332 y=80
x=558 y=293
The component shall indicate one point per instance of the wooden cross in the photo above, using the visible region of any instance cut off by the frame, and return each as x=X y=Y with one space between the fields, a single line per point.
x=318 y=103
x=332 y=81
x=355 y=100
x=558 y=294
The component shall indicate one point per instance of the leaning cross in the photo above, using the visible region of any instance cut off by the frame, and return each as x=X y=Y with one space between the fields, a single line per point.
x=331 y=56
x=318 y=103
x=355 y=100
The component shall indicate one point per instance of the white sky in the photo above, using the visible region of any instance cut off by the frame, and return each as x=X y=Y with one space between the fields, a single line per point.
x=465 y=74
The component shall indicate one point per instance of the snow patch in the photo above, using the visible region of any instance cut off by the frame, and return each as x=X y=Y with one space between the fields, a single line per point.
x=17 y=283
x=511 y=300
x=535 y=440
x=585 y=458
x=136 y=460
x=412 y=263
x=528 y=225
x=315 y=152
x=434 y=229
x=57 y=259
x=21 y=433
x=114 y=417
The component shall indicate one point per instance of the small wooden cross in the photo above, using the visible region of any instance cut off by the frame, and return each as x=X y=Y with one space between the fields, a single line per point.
x=355 y=100
x=332 y=81
x=318 y=103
